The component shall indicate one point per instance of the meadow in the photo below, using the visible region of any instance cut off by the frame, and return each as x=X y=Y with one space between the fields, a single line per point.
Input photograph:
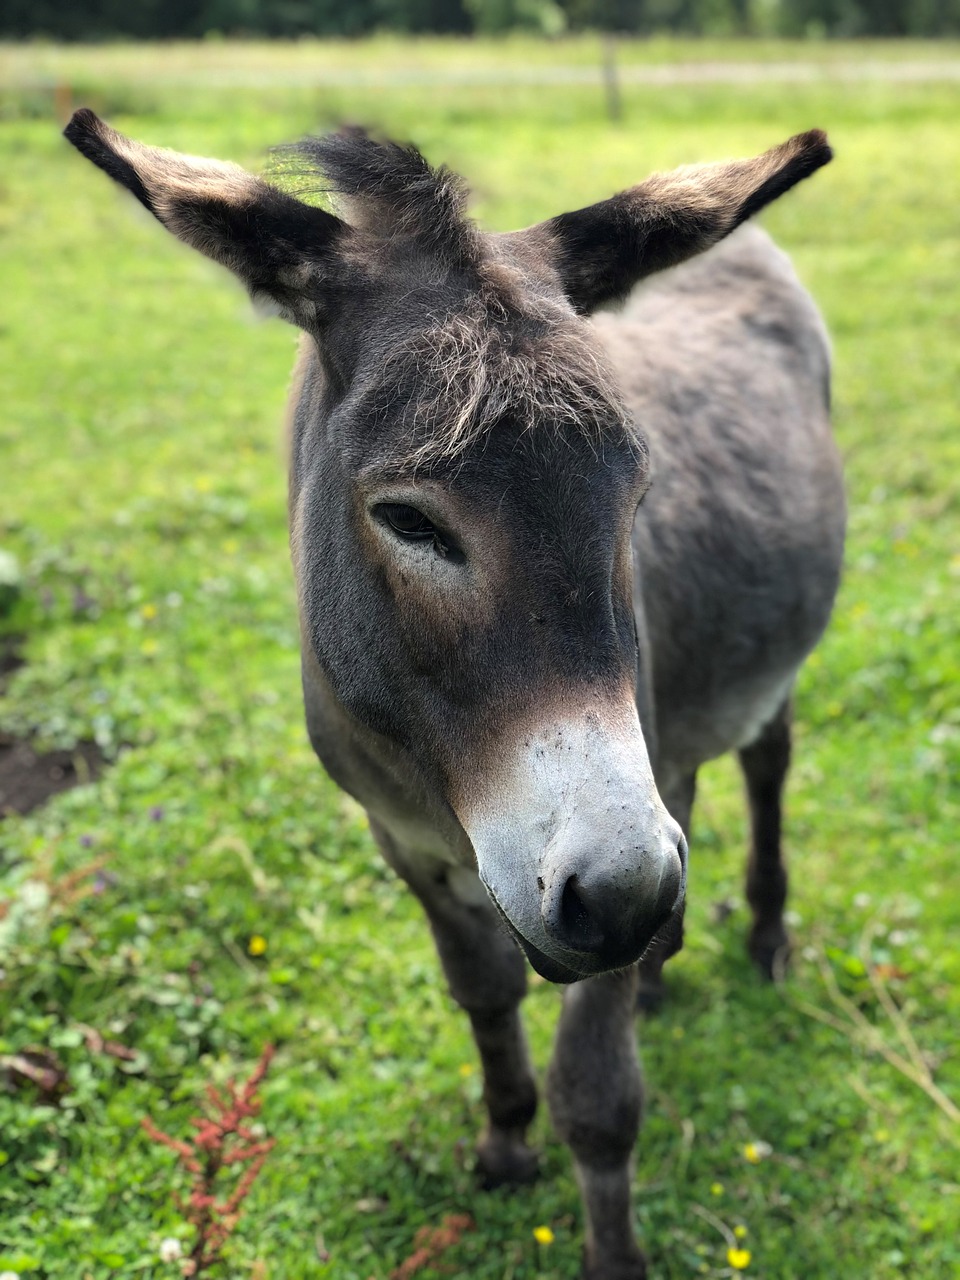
x=211 y=891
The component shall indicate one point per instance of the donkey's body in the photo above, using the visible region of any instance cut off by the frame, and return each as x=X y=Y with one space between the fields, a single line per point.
x=516 y=677
x=738 y=544
x=724 y=362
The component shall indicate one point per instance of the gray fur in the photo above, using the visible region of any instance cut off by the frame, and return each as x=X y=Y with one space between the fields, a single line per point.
x=725 y=364
x=520 y=701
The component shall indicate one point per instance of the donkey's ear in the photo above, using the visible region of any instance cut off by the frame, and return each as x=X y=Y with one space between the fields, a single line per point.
x=602 y=251
x=282 y=249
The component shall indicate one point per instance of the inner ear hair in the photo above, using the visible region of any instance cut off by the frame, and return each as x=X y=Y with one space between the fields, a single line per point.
x=279 y=246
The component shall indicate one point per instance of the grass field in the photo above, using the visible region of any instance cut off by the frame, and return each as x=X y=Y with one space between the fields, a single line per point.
x=143 y=495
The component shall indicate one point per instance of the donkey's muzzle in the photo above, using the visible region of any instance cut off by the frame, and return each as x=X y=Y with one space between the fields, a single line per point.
x=608 y=917
x=603 y=914
x=575 y=845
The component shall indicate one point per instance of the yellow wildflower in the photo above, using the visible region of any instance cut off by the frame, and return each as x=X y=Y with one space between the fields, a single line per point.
x=716 y=1188
x=739 y=1259
x=543 y=1235
x=740 y=1231
x=148 y=612
x=466 y=1069
x=257 y=945
x=754 y=1152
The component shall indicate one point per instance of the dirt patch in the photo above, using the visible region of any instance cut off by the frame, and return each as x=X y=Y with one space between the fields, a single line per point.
x=10 y=658
x=28 y=778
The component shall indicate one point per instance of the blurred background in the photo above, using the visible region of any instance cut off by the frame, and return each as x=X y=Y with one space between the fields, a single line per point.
x=180 y=884
x=161 y=19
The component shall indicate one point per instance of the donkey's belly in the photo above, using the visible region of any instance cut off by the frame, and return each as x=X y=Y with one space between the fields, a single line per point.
x=734 y=598
x=696 y=731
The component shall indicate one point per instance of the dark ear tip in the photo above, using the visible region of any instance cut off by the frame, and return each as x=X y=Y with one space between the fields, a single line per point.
x=81 y=125
x=814 y=147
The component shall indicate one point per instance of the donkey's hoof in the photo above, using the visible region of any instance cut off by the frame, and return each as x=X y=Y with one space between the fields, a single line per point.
x=770 y=951
x=631 y=1268
x=506 y=1162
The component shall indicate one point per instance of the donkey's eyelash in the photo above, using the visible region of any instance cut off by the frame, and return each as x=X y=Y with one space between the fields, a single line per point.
x=406 y=520
x=411 y=525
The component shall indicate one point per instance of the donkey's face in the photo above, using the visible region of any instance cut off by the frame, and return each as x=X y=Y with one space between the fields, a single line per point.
x=483 y=570
x=463 y=486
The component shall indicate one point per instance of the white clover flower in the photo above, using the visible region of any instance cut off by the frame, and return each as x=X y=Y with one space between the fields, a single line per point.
x=170 y=1250
x=9 y=1275
x=34 y=896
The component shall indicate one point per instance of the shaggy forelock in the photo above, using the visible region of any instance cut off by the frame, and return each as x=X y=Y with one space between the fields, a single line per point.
x=502 y=353
x=478 y=367
x=387 y=190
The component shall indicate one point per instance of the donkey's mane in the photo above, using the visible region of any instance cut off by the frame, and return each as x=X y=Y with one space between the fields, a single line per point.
x=389 y=189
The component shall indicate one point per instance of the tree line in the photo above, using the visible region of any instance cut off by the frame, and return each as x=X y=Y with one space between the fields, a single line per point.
x=185 y=19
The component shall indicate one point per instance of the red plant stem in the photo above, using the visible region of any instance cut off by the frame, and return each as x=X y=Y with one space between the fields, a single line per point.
x=221 y=1140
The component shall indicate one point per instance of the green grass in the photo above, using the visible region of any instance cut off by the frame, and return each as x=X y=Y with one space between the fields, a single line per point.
x=141 y=465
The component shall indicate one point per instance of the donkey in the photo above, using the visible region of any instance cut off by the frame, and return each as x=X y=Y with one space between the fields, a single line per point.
x=512 y=664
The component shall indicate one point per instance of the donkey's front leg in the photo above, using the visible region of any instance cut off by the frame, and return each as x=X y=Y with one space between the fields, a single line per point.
x=596 y=1097
x=486 y=974
x=487 y=977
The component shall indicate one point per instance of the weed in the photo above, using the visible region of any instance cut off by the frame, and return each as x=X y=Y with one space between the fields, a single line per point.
x=430 y=1243
x=224 y=1144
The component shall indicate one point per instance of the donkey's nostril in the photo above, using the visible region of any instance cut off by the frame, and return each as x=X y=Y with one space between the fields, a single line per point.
x=578 y=929
x=610 y=908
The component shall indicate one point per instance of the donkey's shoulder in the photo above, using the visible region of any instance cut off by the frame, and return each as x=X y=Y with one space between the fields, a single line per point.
x=746 y=279
x=733 y=329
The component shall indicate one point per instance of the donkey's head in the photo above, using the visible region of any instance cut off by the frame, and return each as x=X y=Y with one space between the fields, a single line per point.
x=464 y=479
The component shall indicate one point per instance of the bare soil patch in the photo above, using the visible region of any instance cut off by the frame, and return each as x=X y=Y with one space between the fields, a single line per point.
x=28 y=778
x=10 y=658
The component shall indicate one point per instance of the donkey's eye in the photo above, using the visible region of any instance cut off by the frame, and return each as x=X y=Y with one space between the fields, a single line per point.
x=413 y=526
x=407 y=521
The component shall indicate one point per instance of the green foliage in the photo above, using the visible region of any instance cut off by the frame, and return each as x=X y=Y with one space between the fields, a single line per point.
x=493 y=17
x=144 y=503
x=167 y=19
x=161 y=19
